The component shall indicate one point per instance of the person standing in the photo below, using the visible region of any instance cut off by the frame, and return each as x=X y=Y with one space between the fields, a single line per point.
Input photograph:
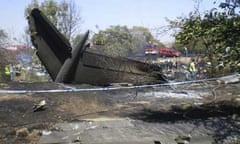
x=186 y=51
x=7 y=70
x=12 y=72
x=192 y=69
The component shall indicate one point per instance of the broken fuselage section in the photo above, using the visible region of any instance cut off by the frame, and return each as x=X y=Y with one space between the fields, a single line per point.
x=77 y=65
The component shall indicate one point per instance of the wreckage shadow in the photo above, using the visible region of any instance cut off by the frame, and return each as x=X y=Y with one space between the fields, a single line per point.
x=176 y=114
x=224 y=122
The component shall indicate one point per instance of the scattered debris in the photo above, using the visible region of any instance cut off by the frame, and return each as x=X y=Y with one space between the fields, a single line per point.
x=40 y=106
x=120 y=84
x=77 y=140
x=45 y=132
x=23 y=132
x=157 y=142
x=183 y=139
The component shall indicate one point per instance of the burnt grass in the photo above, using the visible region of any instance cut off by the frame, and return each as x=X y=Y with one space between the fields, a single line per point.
x=16 y=110
x=176 y=113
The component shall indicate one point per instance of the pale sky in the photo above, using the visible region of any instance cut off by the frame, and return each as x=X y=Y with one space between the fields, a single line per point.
x=104 y=13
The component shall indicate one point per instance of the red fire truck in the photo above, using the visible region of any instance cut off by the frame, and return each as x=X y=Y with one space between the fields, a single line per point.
x=169 y=52
x=163 y=51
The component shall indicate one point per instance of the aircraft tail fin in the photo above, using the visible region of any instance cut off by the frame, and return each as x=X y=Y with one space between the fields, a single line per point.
x=52 y=47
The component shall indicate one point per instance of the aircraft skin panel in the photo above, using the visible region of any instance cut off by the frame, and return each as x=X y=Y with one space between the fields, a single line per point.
x=95 y=76
x=111 y=63
x=48 y=59
x=102 y=70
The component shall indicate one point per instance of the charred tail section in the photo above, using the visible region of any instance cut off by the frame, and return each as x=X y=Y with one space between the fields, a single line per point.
x=52 y=47
x=68 y=70
x=80 y=66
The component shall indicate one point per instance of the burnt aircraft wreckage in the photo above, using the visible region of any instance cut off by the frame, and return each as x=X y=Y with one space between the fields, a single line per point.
x=77 y=65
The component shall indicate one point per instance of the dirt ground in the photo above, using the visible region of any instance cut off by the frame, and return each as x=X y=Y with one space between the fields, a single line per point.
x=20 y=124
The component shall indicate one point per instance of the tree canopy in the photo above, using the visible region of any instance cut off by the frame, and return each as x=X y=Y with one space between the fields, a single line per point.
x=214 y=31
x=64 y=15
x=123 y=41
x=117 y=40
x=3 y=37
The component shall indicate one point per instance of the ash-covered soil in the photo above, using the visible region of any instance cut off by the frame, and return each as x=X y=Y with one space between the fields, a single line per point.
x=216 y=106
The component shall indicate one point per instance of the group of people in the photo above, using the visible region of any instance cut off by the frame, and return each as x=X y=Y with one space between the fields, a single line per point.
x=189 y=70
x=14 y=71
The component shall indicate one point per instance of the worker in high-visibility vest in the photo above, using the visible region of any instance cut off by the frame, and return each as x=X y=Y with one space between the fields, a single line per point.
x=192 y=69
x=7 y=70
x=238 y=66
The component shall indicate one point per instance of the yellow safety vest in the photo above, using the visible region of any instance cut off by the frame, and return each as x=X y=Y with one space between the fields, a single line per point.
x=7 y=70
x=192 y=67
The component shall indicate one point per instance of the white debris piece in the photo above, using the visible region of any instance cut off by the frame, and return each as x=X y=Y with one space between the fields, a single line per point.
x=40 y=106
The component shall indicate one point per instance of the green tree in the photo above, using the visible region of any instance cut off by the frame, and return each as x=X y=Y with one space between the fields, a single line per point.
x=141 y=36
x=69 y=19
x=117 y=41
x=3 y=61
x=3 y=37
x=214 y=31
x=122 y=41
x=76 y=40
x=230 y=5
x=64 y=15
